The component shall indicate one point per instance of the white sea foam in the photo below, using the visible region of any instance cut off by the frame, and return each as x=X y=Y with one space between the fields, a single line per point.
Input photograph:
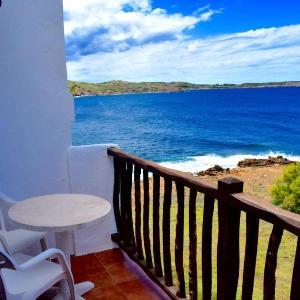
x=200 y=163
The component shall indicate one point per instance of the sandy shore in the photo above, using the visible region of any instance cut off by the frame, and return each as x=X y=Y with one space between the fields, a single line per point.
x=257 y=180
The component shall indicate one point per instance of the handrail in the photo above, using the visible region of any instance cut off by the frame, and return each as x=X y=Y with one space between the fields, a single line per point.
x=267 y=212
x=178 y=176
x=135 y=228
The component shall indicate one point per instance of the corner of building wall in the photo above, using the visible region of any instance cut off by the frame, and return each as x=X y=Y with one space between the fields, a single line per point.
x=91 y=172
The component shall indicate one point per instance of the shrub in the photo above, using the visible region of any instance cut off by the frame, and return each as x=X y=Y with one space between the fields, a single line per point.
x=286 y=191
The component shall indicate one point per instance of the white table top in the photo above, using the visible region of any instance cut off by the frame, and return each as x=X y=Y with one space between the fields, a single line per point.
x=59 y=212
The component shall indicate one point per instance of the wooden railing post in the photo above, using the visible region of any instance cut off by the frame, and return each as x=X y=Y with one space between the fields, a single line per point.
x=167 y=231
x=228 y=257
x=179 y=240
x=231 y=201
x=252 y=231
x=138 y=210
x=156 y=226
x=116 y=194
x=271 y=263
x=207 y=224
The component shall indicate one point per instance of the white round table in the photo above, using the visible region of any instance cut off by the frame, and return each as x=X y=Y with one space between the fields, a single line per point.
x=61 y=214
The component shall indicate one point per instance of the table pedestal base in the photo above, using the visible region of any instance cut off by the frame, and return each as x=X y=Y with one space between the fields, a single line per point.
x=64 y=242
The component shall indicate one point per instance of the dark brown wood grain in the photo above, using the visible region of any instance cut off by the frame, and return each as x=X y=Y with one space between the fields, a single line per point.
x=129 y=206
x=123 y=203
x=166 y=232
x=228 y=240
x=138 y=211
x=146 y=230
x=271 y=263
x=179 y=241
x=267 y=212
x=231 y=201
x=295 y=290
x=207 y=247
x=156 y=227
x=116 y=194
x=252 y=231
x=193 y=282
x=176 y=176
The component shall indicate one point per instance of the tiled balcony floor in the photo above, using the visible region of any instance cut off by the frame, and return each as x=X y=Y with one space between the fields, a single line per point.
x=115 y=277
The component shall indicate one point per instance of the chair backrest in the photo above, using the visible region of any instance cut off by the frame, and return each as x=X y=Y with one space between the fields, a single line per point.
x=7 y=263
x=2 y=222
x=5 y=204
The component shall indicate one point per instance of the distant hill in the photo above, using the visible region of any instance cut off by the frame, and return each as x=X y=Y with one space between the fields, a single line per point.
x=125 y=87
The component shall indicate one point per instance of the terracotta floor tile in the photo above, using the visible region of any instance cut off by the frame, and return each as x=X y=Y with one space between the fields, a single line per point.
x=98 y=276
x=85 y=262
x=115 y=277
x=111 y=256
x=110 y=293
x=136 y=290
x=120 y=272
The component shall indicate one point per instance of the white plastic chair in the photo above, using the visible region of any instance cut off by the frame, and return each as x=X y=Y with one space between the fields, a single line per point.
x=17 y=240
x=25 y=278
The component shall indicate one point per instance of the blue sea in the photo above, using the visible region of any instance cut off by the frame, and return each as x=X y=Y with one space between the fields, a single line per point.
x=194 y=130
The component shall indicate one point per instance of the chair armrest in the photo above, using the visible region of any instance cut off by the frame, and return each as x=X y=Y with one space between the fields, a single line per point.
x=50 y=253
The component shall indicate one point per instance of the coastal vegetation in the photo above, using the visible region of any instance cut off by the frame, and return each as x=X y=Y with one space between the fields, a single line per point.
x=125 y=87
x=286 y=190
x=258 y=179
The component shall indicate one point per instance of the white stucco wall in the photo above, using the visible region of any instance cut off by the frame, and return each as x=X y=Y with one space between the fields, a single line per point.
x=91 y=172
x=36 y=108
x=36 y=113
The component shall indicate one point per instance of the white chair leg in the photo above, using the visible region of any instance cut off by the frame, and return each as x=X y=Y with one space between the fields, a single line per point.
x=83 y=287
x=72 y=288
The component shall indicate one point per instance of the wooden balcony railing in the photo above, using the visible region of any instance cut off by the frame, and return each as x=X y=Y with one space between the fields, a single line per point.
x=147 y=237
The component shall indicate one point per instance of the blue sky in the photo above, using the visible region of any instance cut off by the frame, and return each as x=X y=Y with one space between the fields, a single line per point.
x=239 y=15
x=170 y=40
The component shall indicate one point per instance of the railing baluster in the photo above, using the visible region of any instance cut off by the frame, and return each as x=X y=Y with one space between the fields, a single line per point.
x=250 y=256
x=147 y=243
x=156 y=227
x=231 y=201
x=166 y=232
x=179 y=241
x=228 y=240
x=295 y=291
x=124 y=224
x=207 y=247
x=116 y=194
x=271 y=263
x=138 y=209
x=193 y=283
x=129 y=206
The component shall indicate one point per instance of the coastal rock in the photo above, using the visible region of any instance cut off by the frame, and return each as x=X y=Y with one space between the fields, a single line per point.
x=270 y=161
x=216 y=170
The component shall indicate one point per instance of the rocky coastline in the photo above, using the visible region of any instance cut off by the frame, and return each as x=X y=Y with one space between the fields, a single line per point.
x=247 y=163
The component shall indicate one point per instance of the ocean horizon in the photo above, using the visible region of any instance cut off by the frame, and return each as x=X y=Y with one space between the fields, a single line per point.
x=194 y=130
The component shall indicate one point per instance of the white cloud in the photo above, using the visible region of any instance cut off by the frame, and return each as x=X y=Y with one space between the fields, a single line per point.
x=259 y=55
x=130 y=40
x=116 y=25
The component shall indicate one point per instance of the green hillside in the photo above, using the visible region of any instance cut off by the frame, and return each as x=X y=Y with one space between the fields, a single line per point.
x=123 y=87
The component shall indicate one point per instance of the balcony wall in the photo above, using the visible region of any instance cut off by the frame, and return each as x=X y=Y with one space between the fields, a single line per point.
x=36 y=152
x=36 y=108
x=91 y=172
